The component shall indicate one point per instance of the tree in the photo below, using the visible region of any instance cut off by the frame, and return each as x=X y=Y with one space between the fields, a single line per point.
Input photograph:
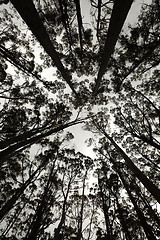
x=119 y=14
x=62 y=66
x=38 y=30
x=142 y=177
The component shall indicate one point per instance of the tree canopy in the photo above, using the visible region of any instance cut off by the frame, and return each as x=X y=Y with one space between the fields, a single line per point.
x=66 y=65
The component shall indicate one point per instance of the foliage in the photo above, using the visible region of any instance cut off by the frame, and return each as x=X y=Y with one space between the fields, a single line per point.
x=57 y=71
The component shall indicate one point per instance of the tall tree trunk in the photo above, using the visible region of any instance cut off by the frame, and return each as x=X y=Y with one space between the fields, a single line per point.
x=28 y=142
x=119 y=14
x=80 y=24
x=105 y=212
x=147 y=229
x=79 y=235
x=63 y=11
x=137 y=172
x=15 y=217
x=10 y=203
x=63 y=215
x=8 y=55
x=23 y=136
x=147 y=205
x=149 y=141
x=37 y=219
x=122 y=220
x=145 y=56
x=29 y=14
x=99 y=18
x=91 y=221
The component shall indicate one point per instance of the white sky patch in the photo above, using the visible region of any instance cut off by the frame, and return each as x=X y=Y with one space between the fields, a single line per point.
x=80 y=136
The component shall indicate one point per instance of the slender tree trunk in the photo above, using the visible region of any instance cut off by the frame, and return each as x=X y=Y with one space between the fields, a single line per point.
x=140 y=175
x=119 y=14
x=25 y=135
x=79 y=235
x=122 y=220
x=37 y=220
x=67 y=27
x=99 y=18
x=28 y=142
x=91 y=221
x=105 y=212
x=80 y=24
x=146 y=98
x=147 y=229
x=149 y=141
x=10 y=203
x=63 y=216
x=36 y=26
x=16 y=217
x=143 y=58
x=7 y=55
x=147 y=206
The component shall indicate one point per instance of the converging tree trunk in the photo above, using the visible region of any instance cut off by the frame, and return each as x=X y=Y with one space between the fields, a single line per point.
x=137 y=172
x=122 y=219
x=57 y=235
x=105 y=208
x=29 y=14
x=119 y=14
x=38 y=217
x=10 y=203
x=147 y=229
x=80 y=223
x=26 y=142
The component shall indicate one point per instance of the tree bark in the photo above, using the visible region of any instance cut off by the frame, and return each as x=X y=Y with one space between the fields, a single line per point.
x=137 y=172
x=10 y=203
x=37 y=219
x=79 y=235
x=147 y=229
x=29 y=14
x=63 y=215
x=119 y=14
x=28 y=142
x=122 y=220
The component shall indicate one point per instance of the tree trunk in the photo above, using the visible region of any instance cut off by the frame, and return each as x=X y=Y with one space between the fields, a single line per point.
x=140 y=175
x=147 y=229
x=122 y=220
x=98 y=17
x=29 y=14
x=10 y=203
x=79 y=235
x=151 y=212
x=80 y=24
x=63 y=216
x=37 y=219
x=28 y=142
x=143 y=58
x=105 y=212
x=119 y=14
